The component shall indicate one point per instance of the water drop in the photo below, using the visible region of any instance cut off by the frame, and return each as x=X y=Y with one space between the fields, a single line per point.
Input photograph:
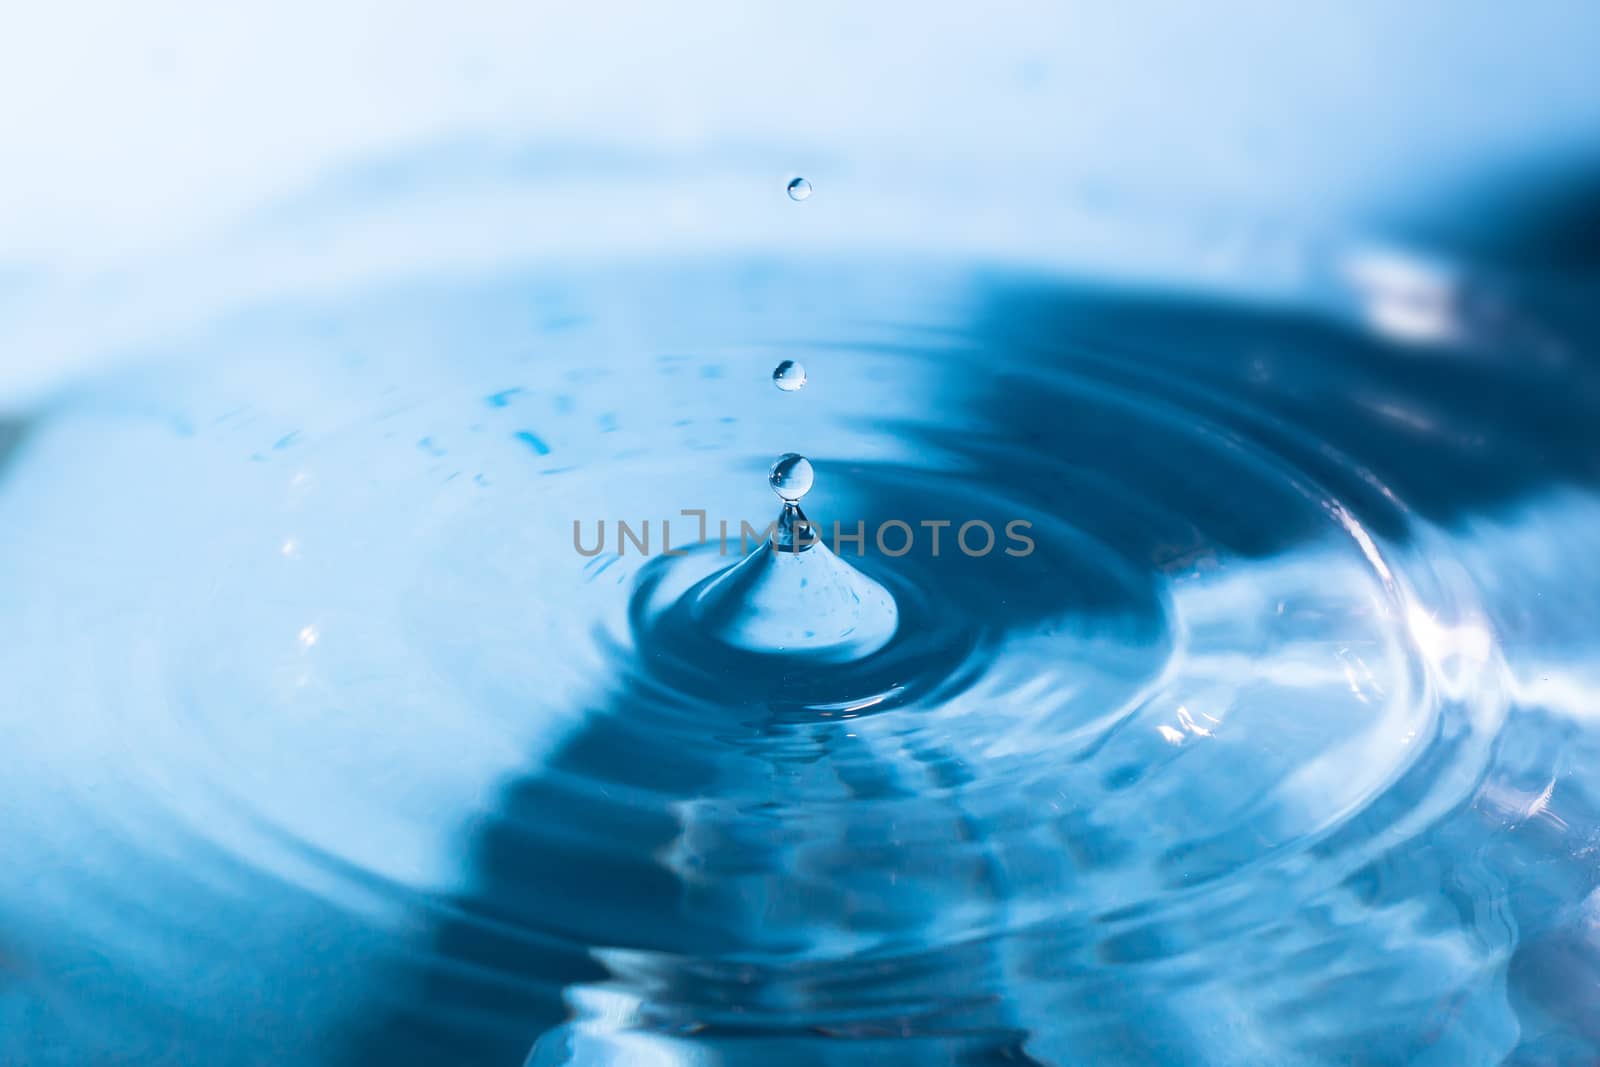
x=791 y=477
x=799 y=189
x=789 y=375
x=792 y=596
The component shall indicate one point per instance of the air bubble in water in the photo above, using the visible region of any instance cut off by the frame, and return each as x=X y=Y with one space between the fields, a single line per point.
x=789 y=375
x=799 y=189
x=791 y=477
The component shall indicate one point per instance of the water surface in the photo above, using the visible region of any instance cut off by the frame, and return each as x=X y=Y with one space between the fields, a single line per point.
x=328 y=747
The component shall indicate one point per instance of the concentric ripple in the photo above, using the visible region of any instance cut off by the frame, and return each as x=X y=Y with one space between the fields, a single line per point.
x=308 y=626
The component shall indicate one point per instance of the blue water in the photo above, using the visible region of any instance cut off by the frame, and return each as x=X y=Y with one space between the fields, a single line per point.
x=327 y=746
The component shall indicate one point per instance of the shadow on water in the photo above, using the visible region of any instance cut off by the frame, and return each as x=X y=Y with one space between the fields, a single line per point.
x=567 y=862
x=586 y=849
x=1444 y=429
x=655 y=849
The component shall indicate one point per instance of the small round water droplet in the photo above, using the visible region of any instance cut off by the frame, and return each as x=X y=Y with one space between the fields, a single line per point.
x=799 y=189
x=791 y=477
x=789 y=375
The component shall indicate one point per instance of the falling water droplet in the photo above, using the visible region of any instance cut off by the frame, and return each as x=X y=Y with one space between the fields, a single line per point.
x=799 y=189
x=791 y=477
x=789 y=376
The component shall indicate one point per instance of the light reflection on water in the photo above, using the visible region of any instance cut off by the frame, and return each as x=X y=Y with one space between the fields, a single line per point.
x=329 y=748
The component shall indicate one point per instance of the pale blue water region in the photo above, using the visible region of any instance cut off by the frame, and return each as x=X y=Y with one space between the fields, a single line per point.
x=327 y=745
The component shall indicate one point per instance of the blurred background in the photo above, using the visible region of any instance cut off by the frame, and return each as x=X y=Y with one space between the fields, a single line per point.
x=172 y=160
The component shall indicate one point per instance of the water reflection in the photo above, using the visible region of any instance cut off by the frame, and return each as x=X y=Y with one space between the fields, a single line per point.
x=696 y=933
x=1270 y=752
